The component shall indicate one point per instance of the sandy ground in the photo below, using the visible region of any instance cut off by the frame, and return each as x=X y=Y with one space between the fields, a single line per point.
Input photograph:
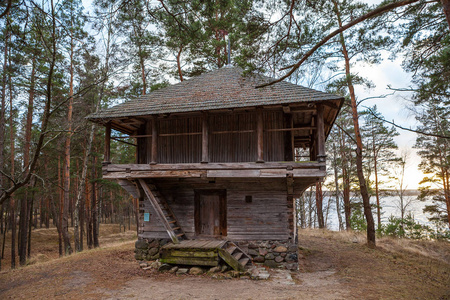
x=332 y=266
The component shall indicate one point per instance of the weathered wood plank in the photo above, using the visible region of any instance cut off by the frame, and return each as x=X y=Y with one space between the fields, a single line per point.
x=233 y=173
x=230 y=260
x=154 y=174
x=190 y=261
x=214 y=166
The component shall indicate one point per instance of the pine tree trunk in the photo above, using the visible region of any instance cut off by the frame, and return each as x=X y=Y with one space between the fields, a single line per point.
x=65 y=223
x=446 y=9
x=336 y=184
x=61 y=208
x=319 y=205
x=95 y=226
x=377 y=192
x=345 y=183
x=180 y=74
x=359 y=146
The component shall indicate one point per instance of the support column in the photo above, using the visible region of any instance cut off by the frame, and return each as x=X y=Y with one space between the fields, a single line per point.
x=320 y=136
x=154 y=141
x=288 y=138
x=205 y=139
x=107 y=154
x=260 y=135
x=148 y=141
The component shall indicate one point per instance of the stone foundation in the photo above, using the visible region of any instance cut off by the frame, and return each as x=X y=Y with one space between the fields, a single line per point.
x=148 y=249
x=273 y=254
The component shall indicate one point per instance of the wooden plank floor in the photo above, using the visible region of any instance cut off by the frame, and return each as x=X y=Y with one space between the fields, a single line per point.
x=196 y=244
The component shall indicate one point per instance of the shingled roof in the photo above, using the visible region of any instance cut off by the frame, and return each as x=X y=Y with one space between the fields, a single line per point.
x=220 y=89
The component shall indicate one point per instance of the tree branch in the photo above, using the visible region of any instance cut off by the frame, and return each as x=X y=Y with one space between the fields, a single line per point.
x=8 y=7
x=371 y=14
x=405 y=128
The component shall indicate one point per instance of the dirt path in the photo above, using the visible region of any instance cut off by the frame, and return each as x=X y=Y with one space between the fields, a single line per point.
x=331 y=267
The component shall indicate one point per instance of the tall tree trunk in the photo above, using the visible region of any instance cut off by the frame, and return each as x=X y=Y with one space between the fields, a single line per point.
x=88 y=217
x=61 y=208
x=345 y=182
x=95 y=226
x=24 y=209
x=377 y=192
x=359 y=146
x=179 y=63
x=319 y=204
x=65 y=223
x=446 y=9
x=336 y=184
x=30 y=220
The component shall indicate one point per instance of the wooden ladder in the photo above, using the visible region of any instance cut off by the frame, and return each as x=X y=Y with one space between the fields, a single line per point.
x=163 y=211
x=234 y=256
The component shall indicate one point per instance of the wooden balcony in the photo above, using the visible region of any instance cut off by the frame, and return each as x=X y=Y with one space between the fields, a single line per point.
x=216 y=170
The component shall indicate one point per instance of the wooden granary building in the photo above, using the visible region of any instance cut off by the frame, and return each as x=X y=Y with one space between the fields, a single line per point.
x=219 y=163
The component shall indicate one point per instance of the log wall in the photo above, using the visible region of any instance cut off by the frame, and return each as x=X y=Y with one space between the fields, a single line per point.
x=267 y=217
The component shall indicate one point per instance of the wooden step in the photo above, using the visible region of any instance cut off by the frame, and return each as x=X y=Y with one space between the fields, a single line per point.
x=176 y=228
x=231 y=249
x=244 y=261
x=238 y=255
x=180 y=234
x=172 y=222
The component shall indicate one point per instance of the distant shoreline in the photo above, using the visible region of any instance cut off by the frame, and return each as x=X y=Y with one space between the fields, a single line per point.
x=385 y=192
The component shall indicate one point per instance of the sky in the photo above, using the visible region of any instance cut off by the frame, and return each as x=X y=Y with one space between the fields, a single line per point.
x=393 y=107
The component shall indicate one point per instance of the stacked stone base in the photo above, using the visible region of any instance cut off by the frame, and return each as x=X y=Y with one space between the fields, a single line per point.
x=273 y=254
x=148 y=249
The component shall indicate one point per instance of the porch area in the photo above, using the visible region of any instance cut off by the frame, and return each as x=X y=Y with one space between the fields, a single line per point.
x=205 y=253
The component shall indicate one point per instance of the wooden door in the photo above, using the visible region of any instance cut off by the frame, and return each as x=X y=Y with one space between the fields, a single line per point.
x=210 y=213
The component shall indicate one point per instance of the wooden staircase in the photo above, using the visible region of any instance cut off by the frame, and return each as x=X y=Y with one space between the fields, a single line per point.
x=205 y=253
x=163 y=211
x=234 y=256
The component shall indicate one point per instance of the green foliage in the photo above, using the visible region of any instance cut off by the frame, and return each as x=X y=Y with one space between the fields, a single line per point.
x=409 y=228
x=357 y=219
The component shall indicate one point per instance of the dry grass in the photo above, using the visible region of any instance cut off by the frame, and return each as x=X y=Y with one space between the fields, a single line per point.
x=44 y=243
x=332 y=266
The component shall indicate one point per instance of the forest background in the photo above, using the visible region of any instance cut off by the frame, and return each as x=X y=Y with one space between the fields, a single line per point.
x=61 y=62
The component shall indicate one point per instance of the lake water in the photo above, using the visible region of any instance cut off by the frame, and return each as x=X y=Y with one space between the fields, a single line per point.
x=390 y=206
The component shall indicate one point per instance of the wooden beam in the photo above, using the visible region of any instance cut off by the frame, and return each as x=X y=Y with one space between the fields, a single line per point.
x=320 y=136
x=260 y=136
x=205 y=139
x=331 y=105
x=107 y=156
x=232 y=131
x=154 y=141
x=214 y=166
x=291 y=129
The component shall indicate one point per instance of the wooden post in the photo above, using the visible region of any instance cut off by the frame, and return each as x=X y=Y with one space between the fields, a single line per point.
x=260 y=136
x=107 y=155
x=205 y=139
x=288 y=138
x=148 y=142
x=320 y=135
x=154 y=141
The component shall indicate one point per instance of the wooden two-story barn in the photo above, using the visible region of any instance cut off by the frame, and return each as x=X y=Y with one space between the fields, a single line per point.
x=219 y=164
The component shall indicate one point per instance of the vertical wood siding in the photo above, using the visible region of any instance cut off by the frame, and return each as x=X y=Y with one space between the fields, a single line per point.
x=267 y=217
